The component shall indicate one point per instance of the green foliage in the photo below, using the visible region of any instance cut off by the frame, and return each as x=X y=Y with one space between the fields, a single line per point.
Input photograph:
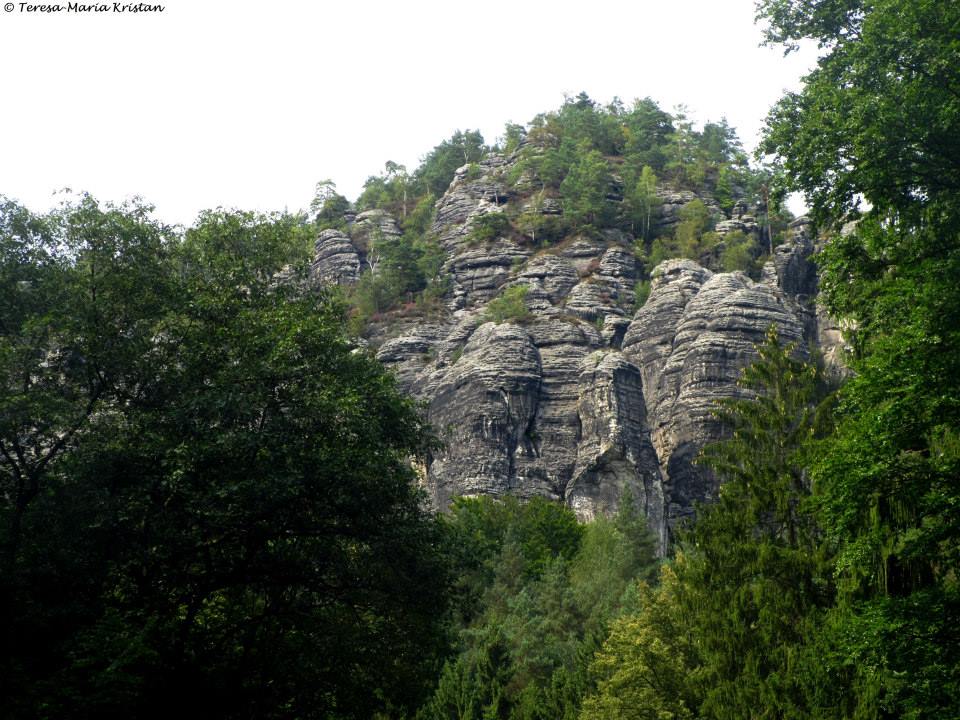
x=725 y=189
x=885 y=478
x=480 y=528
x=641 y=291
x=202 y=484
x=394 y=191
x=691 y=239
x=437 y=169
x=877 y=119
x=513 y=135
x=401 y=268
x=643 y=136
x=474 y=171
x=640 y=197
x=754 y=555
x=418 y=221
x=645 y=669
x=689 y=234
x=681 y=166
x=329 y=206
x=489 y=226
x=721 y=636
x=737 y=252
x=646 y=129
x=510 y=306
x=537 y=591
x=542 y=228
x=585 y=187
x=661 y=249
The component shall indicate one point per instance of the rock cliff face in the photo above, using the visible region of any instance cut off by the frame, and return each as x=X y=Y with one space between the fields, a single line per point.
x=587 y=398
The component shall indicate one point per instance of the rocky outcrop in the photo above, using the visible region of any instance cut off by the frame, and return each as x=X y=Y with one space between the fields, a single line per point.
x=792 y=269
x=746 y=224
x=554 y=274
x=335 y=259
x=650 y=337
x=690 y=341
x=672 y=202
x=484 y=408
x=477 y=272
x=371 y=225
x=615 y=456
x=713 y=341
x=583 y=397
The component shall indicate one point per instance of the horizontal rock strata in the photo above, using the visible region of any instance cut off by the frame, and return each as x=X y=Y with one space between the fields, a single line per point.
x=585 y=399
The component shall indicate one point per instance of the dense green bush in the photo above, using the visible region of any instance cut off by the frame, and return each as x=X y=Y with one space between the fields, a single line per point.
x=510 y=306
x=489 y=226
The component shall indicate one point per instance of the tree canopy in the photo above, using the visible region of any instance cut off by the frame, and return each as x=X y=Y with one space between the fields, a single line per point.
x=871 y=137
x=207 y=502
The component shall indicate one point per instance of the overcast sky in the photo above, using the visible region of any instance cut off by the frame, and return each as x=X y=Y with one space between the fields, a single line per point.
x=248 y=104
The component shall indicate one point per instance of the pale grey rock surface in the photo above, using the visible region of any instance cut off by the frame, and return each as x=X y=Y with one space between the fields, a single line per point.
x=370 y=224
x=478 y=271
x=713 y=341
x=585 y=400
x=335 y=259
x=615 y=456
x=483 y=410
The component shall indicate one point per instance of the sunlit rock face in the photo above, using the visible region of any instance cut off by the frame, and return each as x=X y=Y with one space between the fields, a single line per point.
x=585 y=399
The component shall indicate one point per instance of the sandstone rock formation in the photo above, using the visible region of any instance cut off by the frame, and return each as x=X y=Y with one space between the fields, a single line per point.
x=587 y=399
x=335 y=259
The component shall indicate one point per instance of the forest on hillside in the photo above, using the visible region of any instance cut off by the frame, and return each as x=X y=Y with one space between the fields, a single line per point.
x=208 y=487
x=574 y=172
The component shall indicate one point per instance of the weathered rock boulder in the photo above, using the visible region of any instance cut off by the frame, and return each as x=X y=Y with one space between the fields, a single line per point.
x=556 y=275
x=650 y=337
x=335 y=259
x=478 y=271
x=713 y=341
x=372 y=224
x=483 y=410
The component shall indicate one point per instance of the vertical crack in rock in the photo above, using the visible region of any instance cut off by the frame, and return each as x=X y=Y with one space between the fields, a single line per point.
x=482 y=408
x=615 y=456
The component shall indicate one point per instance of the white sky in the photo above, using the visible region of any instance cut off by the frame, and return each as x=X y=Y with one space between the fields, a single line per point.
x=248 y=104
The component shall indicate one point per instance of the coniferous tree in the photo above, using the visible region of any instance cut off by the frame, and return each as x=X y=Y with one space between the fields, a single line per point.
x=720 y=637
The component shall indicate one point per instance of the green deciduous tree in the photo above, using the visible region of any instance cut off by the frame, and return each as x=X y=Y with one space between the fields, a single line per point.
x=689 y=234
x=641 y=199
x=437 y=170
x=877 y=120
x=736 y=253
x=82 y=291
x=224 y=520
